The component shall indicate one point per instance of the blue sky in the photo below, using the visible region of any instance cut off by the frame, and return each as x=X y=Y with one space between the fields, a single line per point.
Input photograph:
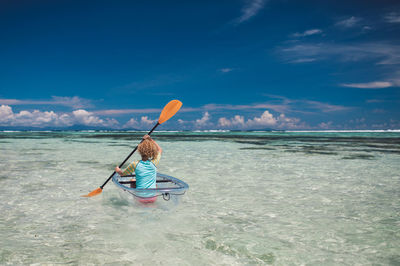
x=255 y=64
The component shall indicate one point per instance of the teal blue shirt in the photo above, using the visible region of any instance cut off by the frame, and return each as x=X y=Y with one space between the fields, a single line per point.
x=146 y=174
x=145 y=171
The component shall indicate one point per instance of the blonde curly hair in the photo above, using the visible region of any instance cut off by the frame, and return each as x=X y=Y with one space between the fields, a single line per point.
x=148 y=150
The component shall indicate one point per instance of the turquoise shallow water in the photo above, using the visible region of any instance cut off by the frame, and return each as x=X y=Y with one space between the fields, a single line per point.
x=254 y=198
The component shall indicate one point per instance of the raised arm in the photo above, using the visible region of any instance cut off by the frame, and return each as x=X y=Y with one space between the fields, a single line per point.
x=129 y=170
x=158 y=146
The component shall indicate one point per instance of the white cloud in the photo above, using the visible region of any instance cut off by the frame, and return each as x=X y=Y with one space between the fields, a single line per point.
x=266 y=120
x=325 y=107
x=282 y=104
x=289 y=122
x=35 y=118
x=325 y=125
x=6 y=114
x=111 y=122
x=385 y=55
x=146 y=121
x=392 y=17
x=382 y=53
x=367 y=28
x=74 y=102
x=369 y=85
x=41 y=119
x=307 y=33
x=87 y=118
x=250 y=10
x=349 y=22
x=303 y=60
x=236 y=121
x=276 y=103
x=281 y=107
x=224 y=122
x=116 y=112
x=10 y=101
x=225 y=70
x=203 y=121
x=375 y=101
x=143 y=123
x=132 y=123
x=65 y=119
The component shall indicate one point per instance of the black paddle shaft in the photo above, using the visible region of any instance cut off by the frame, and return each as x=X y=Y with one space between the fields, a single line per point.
x=126 y=159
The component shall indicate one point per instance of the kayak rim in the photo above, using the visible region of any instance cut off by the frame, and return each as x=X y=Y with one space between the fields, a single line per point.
x=170 y=185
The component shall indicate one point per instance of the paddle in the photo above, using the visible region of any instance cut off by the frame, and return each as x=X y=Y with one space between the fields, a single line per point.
x=169 y=111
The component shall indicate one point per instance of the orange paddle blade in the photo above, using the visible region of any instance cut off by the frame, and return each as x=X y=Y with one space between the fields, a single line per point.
x=93 y=193
x=169 y=110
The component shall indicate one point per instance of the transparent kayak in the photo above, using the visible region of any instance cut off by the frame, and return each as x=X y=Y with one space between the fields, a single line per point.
x=168 y=188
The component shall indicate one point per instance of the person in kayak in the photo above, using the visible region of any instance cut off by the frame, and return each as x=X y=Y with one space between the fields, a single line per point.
x=145 y=169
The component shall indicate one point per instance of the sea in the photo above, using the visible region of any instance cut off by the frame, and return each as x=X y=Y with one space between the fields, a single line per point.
x=254 y=198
